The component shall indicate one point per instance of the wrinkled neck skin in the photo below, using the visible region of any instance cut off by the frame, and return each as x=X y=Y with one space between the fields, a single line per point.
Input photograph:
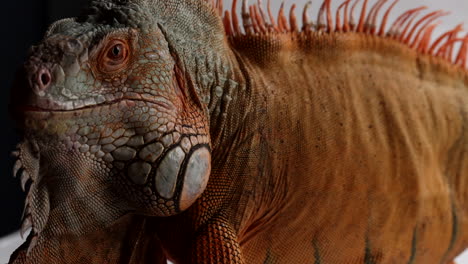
x=69 y=196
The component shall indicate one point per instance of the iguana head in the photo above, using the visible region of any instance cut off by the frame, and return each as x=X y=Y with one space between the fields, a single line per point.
x=115 y=119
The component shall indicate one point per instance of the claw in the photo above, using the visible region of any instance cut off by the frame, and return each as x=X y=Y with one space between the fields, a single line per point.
x=27 y=224
x=18 y=165
x=15 y=153
x=26 y=210
x=32 y=244
x=35 y=147
x=24 y=179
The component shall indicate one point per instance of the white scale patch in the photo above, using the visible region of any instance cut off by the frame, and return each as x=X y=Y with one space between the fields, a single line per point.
x=196 y=177
x=166 y=175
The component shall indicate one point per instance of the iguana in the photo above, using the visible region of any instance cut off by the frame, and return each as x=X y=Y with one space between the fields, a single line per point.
x=160 y=130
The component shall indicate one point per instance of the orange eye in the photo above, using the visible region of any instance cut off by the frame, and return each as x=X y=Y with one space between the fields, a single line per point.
x=115 y=56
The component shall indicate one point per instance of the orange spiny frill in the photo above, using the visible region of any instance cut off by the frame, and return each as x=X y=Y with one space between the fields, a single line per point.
x=407 y=28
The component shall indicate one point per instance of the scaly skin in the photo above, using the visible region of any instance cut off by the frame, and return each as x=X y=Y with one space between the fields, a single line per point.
x=319 y=148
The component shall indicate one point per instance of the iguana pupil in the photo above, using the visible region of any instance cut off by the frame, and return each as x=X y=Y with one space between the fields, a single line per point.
x=117 y=50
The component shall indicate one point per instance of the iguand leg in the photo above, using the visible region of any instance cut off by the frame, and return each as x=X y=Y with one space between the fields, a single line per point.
x=216 y=242
x=125 y=242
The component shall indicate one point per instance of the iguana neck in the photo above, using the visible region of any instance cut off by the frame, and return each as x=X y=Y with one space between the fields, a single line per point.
x=225 y=88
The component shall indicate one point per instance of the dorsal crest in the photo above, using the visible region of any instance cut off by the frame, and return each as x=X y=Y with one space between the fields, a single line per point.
x=413 y=28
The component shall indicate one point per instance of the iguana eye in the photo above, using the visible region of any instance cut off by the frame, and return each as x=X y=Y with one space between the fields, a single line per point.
x=115 y=56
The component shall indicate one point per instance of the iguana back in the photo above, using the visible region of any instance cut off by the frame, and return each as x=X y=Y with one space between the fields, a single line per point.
x=335 y=144
x=367 y=163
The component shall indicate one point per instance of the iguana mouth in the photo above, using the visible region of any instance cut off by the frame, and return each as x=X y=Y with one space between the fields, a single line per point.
x=127 y=100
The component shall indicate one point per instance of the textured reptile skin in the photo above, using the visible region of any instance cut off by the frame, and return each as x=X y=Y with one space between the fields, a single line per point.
x=153 y=131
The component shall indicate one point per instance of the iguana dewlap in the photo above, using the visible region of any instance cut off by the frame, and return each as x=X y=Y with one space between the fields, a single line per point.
x=159 y=130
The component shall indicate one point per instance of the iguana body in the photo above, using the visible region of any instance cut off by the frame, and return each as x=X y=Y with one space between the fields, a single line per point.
x=323 y=147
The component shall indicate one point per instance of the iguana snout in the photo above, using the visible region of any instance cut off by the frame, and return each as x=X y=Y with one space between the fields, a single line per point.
x=51 y=62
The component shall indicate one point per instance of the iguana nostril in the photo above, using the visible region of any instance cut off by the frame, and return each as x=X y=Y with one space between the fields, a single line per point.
x=44 y=79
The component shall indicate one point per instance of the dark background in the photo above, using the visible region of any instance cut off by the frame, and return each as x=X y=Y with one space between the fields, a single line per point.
x=23 y=23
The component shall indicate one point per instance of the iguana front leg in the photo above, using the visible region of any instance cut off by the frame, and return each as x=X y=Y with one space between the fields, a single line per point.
x=216 y=242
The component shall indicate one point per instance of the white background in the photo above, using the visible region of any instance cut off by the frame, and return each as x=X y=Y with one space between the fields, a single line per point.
x=459 y=14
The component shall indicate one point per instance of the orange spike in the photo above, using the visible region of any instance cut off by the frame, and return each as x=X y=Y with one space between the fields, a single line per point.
x=371 y=21
x=449 y=52
x=385 y=19
x=246 y=18
x=411 y=17
x=400 y=21
x=436 y=43
x=396 y=23
x=279 y=22
x=462 y=54
x=306 y=23
x=286 y=24
x=360 y=27
x=235 y=21
x=262 y=13
x=257 y=21
x=352 y=21
x=260 y=20
x=272 y=18
x=425 y=41
x=371 y=13
x=338 y=21
x=346 y=26
x=329 y=15
x=227 y=23
x=321 y=24
x=253 y=20
x=282 y=19
x=429 y=17
x=422 y=29
x=446 y=50
x=367 y=23
x=220 y=7
x=292 y=19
